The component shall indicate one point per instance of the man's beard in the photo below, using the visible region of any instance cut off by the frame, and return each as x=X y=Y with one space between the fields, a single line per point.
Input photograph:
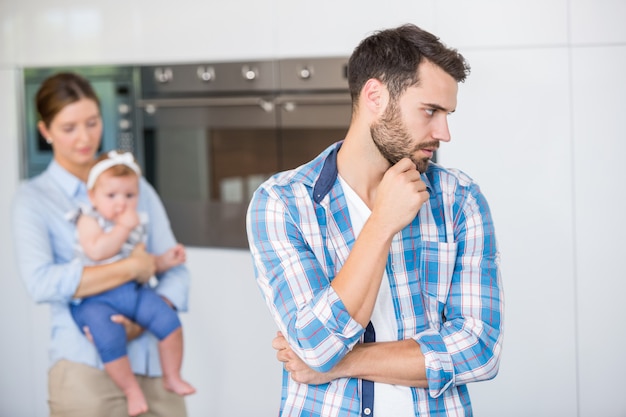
x=394 y=142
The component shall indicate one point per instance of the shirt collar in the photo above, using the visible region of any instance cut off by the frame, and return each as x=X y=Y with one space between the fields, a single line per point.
x=329 y=173
x=426 y=177
x=71 y=185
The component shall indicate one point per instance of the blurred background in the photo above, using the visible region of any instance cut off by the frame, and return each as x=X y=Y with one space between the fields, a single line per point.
x=539 y=125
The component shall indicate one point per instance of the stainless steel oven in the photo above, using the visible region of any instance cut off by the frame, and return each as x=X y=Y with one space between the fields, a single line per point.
x=212 y=132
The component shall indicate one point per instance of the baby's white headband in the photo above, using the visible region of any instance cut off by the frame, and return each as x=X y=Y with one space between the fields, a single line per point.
x=114 y=158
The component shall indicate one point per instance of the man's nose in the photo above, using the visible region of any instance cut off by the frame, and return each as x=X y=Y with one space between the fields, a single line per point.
x=442 y=130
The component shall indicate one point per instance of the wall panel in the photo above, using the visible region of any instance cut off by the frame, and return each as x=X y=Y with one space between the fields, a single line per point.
x=24 y=325
x=502 y=24
x=597 y=21
x=599 y=103
x=330 y=27
x=511 y=134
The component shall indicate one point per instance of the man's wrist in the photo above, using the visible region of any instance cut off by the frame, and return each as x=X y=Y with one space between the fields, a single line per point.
x=344 y=367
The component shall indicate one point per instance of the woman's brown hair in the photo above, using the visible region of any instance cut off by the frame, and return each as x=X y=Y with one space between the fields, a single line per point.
x=60 y=90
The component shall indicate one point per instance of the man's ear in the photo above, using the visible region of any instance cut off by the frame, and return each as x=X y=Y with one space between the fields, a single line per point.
x=375 y=96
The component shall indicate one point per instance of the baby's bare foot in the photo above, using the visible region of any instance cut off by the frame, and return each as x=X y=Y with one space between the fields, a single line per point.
x=136 y=403
x=178 y=386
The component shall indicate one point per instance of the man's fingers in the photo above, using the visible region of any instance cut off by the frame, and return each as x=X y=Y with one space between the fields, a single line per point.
x=279 y=342
x=403 y=165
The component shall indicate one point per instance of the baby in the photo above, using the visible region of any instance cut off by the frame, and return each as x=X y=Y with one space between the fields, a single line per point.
x=108 y=231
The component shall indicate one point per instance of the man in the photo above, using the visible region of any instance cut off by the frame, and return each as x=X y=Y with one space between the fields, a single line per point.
x=379 y=266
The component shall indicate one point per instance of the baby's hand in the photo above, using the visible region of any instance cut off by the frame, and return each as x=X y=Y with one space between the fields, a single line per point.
x=129 y=218
x=178 y=254
x=173 y=257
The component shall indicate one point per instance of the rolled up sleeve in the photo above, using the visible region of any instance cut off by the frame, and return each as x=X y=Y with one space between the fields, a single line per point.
x=295 y=284
x=466 y=347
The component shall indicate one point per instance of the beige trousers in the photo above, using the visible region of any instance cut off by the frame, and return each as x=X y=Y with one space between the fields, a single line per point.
x=77 y=390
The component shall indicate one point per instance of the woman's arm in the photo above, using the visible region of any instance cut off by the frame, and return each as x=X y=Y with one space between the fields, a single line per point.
x=139 y=266
x=45 y=250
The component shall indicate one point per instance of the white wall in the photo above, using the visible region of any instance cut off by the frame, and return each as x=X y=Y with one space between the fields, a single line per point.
x=538 y=125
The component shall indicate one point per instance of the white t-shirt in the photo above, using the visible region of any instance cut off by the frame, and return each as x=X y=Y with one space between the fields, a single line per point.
x=389 y=400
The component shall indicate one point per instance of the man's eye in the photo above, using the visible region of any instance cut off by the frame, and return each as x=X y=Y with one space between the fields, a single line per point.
x=430 y=112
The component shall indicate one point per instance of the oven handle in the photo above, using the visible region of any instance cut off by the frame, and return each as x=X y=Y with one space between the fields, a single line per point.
x=151 y=105
x=286 y=101
x=321 y=98
x=313 y=99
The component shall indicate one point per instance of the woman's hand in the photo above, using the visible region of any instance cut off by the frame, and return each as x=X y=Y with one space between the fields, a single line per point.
x=145 y=265
x=133 y=330
x=300 y=371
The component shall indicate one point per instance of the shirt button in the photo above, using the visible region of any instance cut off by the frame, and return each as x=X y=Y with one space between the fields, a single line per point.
x=367 y=411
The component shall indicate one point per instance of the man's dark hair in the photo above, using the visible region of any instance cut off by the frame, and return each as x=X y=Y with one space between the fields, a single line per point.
x=393 y=55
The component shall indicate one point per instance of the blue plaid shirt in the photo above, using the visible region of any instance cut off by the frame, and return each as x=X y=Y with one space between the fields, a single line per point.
x=444 y=277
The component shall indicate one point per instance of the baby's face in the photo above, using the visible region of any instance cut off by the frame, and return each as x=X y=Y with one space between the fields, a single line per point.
x=112 y=195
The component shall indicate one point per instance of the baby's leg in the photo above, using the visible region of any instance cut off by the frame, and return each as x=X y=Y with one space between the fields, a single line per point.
x=121 y=373
x=157 y=316
x=171 y=353
x=110 y=341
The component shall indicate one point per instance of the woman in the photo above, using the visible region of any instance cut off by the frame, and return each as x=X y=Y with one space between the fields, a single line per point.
x=70 y=121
